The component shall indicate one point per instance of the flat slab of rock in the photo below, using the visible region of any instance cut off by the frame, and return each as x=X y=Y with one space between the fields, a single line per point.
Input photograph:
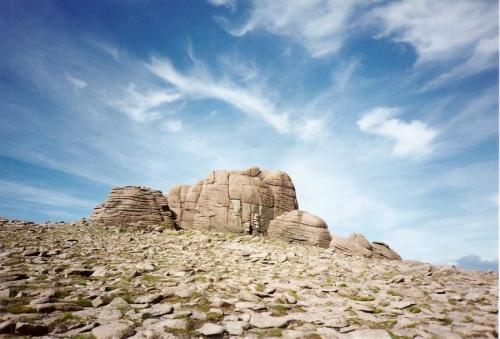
x=265 y=320
x=113 y=330
x=235 y=327
x=210 y=329
x=368 y=333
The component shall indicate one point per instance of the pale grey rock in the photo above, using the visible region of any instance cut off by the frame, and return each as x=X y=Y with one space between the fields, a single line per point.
x=336 y=322
x=265 y=320
x=367 y=333
x=99 y=272
x=112 y=330
x=109 y=313
x=247 y=296
x=209 y=329
x=235 y=327
x=178 y=324
x=157 y=311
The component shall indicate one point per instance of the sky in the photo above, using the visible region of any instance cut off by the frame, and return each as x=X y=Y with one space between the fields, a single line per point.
x=384 y=113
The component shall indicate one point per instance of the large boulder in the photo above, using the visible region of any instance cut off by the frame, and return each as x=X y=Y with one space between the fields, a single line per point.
x=349 y=247
x=357 y=245
x=383 y=251
x=300 y=227
x=134 y=206
x=233 y=201
x=360 y=239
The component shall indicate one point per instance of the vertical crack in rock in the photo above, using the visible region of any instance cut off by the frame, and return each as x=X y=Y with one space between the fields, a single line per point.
x=228 y=201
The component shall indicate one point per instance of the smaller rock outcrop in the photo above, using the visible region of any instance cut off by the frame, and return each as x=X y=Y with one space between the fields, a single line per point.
x=134 y=206
x=349 y=247
x=383 y=251
x=300 y=227
x=357 y=245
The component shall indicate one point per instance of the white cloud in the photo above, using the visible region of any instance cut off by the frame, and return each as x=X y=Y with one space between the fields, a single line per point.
x=412 y=139
x=42 y=196
x=140 y=106
x=231 y=4
x=460 y=31
x=483 y=57
x=173 y=125
x=201 y=85
x=77 y=83
x=319 y=25
x=311 y=129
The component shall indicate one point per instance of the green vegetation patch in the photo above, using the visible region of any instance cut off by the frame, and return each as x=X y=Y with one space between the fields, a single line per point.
x=83 y=302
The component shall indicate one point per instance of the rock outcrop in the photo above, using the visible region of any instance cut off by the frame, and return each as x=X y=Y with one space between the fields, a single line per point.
x=357 y=245
x=234 y=201
x=349 y=247
x=300 y=227
x=383 y=251
x=134 y=206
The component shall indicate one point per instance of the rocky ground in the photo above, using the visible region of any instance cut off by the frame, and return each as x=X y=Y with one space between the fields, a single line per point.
x=81 y=281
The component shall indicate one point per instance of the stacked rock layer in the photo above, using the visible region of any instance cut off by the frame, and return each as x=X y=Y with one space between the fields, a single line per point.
x=357 y=245
x=233 y=201
x=133 y=206
x=300 y=227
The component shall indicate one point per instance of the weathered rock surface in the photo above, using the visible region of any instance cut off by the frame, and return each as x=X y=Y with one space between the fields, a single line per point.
x=234 y=201
x=383 y=251
x=357 y=245
x=180 y=284
x=349 y=247
x=133 y=206
x=300 y=227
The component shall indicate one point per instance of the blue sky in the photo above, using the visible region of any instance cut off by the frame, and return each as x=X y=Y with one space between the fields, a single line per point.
x=385 y=114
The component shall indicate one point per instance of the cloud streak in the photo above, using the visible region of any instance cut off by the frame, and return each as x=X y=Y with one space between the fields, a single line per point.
x=461 y=33
x=321 y=26
x=32 y=194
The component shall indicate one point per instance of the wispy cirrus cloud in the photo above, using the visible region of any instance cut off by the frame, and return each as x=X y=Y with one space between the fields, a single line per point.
x=202 y=85
x=411 y=138
x=321 y=26
x=77 y=83
x=460 y=35
x=141 y=106
x=458 y=32
x=33 y=194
